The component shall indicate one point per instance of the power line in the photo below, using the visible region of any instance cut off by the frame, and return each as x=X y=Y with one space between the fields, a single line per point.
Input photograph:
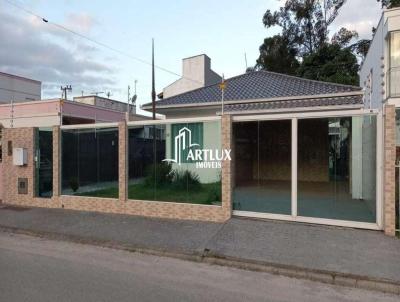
x=62 y=27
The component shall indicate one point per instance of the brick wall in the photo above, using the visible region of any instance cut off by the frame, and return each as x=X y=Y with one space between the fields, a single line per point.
x=25 y=138
x=389 y=210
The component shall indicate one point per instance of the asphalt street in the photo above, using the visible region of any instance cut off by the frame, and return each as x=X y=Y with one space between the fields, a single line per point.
x=34 y=269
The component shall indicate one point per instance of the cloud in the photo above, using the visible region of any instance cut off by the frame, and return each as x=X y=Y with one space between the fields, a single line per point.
x=80 y=21
x=36 y=49
x=359 y=15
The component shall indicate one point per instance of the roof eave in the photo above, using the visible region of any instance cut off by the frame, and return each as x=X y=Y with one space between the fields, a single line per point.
x=292 y=110
x=230 y=102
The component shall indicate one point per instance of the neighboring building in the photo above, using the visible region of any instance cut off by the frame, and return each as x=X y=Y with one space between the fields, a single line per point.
x=196 y=73
x=48 y=113
x=380 y=78
x=106 y=103
x=380 y=71
x=18 y=89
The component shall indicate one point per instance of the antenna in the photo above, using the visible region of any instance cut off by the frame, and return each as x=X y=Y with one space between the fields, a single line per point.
x=245 y=60
x=108 y=94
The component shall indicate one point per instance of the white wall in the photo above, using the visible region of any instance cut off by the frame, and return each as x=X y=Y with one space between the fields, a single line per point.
x=19 y=89
x=211 y=140
x=196 y=73
x=375 y=66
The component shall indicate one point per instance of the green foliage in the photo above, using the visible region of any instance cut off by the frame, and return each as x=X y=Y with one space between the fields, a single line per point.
x=214 y=195
x=390 y=3
x=159 y=174
x=162 y=174
x=74 y=183
x=331 y=64
x=185 y=180
x=278 y=55
x=303 y=48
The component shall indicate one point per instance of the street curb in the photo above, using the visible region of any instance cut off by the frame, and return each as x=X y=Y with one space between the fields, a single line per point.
x=323 y=276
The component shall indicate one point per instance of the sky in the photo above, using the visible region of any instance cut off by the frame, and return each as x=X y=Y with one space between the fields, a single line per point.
x=225 y=30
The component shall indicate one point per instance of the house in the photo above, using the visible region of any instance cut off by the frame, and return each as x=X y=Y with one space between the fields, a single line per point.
x=269 y=146
x=18 y=89
x=304 y=150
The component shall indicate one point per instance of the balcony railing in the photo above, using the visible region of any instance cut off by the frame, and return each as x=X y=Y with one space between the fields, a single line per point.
x=394 y=81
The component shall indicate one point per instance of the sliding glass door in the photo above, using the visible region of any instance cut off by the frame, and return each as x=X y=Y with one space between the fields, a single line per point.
x=307 y=168
x=263 y=166
x=337 y=168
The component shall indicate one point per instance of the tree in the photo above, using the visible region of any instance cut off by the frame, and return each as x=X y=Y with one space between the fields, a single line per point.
x=304 y=23
x=303 y=47
x=331 y=63
x=390 y=3
x=278 y=55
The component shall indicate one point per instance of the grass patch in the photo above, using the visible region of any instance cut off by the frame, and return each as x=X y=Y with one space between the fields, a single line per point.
x=202 y=194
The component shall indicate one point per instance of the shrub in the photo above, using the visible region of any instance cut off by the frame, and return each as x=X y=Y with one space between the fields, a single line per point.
x=214 y=195
x=159 y=174
x=185 y=179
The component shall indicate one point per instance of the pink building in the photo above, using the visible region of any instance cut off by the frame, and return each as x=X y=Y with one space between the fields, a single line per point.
x=83 y=110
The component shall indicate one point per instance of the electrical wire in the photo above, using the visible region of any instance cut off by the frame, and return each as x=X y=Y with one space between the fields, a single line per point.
x=62 y=27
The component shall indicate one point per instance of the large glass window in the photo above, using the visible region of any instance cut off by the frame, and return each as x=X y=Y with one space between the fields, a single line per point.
x=394 y=70
x=262 y=166
x=44 y=162
x=90 y=162
x=337 y=168
x=397 y=186
x=178 y=164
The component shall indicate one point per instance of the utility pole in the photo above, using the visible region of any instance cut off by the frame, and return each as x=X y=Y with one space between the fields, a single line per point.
x=64 y=91
x=153 y=89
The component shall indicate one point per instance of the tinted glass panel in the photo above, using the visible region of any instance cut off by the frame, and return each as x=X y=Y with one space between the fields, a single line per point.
x=90 y=162
x=262 y=166
x=337 y=168
x=177 y=164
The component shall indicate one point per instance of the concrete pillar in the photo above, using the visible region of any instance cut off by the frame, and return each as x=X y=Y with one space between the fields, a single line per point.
x=389 y=166
x=227 y=166
x=56 y=162
x=123 y=161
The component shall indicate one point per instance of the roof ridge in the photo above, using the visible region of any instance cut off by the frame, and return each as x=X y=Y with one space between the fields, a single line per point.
x=309 y=80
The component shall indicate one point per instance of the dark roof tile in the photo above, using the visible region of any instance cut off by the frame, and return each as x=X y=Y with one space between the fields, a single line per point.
x=257 y=85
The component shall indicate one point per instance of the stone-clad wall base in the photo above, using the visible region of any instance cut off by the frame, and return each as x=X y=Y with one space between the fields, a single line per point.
x=389 y=170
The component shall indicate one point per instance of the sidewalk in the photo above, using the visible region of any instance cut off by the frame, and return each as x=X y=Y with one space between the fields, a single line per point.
x=344 y=256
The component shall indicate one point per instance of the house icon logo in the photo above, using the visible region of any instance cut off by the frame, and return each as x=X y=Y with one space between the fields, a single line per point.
x=182 y=142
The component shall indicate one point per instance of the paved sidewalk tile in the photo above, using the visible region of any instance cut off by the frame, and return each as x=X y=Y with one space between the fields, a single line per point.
x=342 y=250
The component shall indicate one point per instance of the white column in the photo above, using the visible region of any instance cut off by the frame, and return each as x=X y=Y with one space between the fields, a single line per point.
x=294 y=167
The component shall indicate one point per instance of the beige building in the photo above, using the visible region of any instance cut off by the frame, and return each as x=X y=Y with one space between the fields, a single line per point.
x=18 y=89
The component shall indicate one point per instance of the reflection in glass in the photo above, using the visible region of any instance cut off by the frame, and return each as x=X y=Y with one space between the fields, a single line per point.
x=44 y=162
x=162 y=168
x=262 y=166
x=397 y=168
x=337 y=168
x=90 y=162
x=394 y=68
